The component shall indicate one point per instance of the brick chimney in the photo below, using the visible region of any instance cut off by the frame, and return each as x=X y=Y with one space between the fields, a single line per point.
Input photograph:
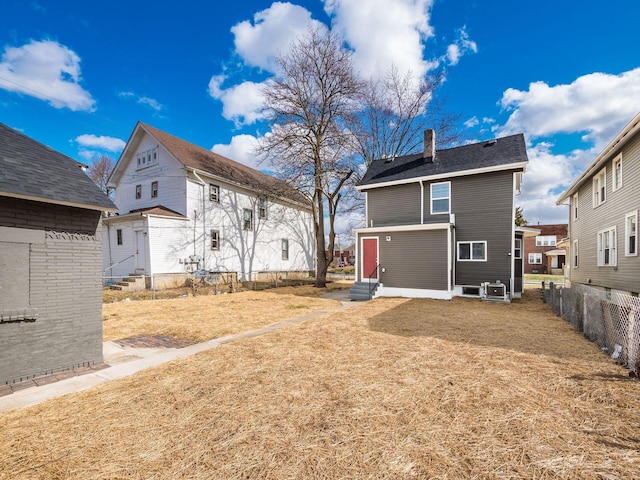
x=429 y=144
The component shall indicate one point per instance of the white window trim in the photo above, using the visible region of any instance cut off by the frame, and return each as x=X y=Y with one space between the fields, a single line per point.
x=613 y=253
x=214 y=193
x=575 y=255
x=597 y=187
x=471 y=252
x=633 y=215
x=614 y=183
x=537 y=255
x=285 y=241
x=517 y=247
x=574 y=205
x=439 y=198
x=540 y=239
x=215 y=233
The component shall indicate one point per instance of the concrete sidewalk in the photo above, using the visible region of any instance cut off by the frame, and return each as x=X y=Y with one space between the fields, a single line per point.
x=125 y=361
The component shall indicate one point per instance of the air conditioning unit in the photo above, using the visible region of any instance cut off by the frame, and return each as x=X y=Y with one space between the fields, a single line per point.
x=496 y=290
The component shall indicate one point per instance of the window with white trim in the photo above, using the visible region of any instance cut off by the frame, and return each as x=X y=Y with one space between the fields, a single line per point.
x=119 y=236
x=472 y=251
x=546 y=241
x=535 y=259
x=262 y=208
x=154 y=189
x=517 y=249
x=631 y=234
x=285 y=249
x=214 y=193
x=600 y=187
x=575 y=254
x=247 y=219
x=138 y=192
x=574 y=206
x=215 y=239
x=617 y=172
x=147 y=158
x=607 y=256
x=440 y=197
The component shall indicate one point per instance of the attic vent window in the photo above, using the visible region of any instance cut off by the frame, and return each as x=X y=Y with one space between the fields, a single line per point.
x=147 y=158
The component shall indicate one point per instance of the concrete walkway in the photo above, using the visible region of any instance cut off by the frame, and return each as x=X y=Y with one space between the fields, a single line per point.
x=126 y=361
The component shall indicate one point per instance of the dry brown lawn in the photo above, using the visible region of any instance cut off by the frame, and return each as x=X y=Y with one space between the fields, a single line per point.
x=391 y=388
x=206 y=317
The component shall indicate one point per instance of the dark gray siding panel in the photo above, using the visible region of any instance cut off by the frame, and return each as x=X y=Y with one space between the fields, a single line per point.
x=483 y=206
x=416 y=259
x=64 y=287
x=395 y=205
x=626 y=276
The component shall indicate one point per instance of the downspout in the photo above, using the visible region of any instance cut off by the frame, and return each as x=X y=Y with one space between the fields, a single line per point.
x=109 y=244
x=513 y=238
x=204 y=223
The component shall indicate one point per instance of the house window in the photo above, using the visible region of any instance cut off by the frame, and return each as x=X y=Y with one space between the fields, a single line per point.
x=154 y=189
x=574 y=204
x=617 y=172
x=440 y=195
x=146 y=159
x=600 y=188
x=285 y=249
x=575 y=253
x=631 y=234
x=472 y=251
x=138 y=192
x=535 y=259
x=262 y=208
x=214 y=193
x=215 y=240
x=607 y=248
x=119 y=236
x=546 y=241
x=247 y=219
x=517 y=251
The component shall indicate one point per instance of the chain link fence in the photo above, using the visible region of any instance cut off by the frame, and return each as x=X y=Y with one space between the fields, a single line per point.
x=610 y=319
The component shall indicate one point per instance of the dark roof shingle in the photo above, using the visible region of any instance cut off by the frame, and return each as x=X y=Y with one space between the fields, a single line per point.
x=493 y=153
x=31 y=170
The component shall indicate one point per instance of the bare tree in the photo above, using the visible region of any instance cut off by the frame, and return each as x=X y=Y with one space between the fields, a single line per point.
x=395 y=112
x=311 y=105
x=100 y=170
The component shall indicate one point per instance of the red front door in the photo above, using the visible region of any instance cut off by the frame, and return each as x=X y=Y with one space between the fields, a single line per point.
x=369 y=258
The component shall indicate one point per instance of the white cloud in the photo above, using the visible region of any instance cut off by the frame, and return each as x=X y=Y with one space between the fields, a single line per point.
x=240 y=103
x=598 y=104
x=109 y=144
x=241 y=149
x=48 y=71
x=472 y=122
x=271 y=33
x=462 y=46
x=384 y=33
x=142 y=100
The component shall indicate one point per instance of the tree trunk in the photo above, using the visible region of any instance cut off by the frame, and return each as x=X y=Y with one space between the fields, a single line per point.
x=321 y=253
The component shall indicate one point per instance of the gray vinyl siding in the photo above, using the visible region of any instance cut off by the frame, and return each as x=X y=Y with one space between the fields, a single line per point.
x=394 y=205
x=416 y=259
x=483 y=208
x=59 y=276
x=626 y=275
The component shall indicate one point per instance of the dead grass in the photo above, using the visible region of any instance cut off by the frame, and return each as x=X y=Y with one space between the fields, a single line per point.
x=392 y=388
x=205 y=317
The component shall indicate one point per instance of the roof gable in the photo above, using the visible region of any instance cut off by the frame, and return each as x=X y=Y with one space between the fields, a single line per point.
x=33 y=171
x=498 y=154
x=203 y=160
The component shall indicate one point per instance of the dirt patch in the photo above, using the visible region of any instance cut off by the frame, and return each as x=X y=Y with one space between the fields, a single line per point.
x=391 y=388
x=153 y=341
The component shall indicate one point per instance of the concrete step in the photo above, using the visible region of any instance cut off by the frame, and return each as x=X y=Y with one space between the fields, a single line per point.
x=362 y=291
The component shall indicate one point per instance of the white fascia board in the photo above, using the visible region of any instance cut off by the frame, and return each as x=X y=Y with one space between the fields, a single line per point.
x=137 y=215
x=619 y=141
x=403 y=228
x=441 y=176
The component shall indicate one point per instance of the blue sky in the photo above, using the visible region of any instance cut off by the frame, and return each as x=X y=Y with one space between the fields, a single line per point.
x=77 y=75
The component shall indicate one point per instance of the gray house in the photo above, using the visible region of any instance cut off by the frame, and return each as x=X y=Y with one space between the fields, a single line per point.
x=441 y=223
x=603 y=216
x=50 y=261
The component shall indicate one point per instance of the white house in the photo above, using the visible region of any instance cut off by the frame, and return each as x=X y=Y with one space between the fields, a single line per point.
x=183 y=208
